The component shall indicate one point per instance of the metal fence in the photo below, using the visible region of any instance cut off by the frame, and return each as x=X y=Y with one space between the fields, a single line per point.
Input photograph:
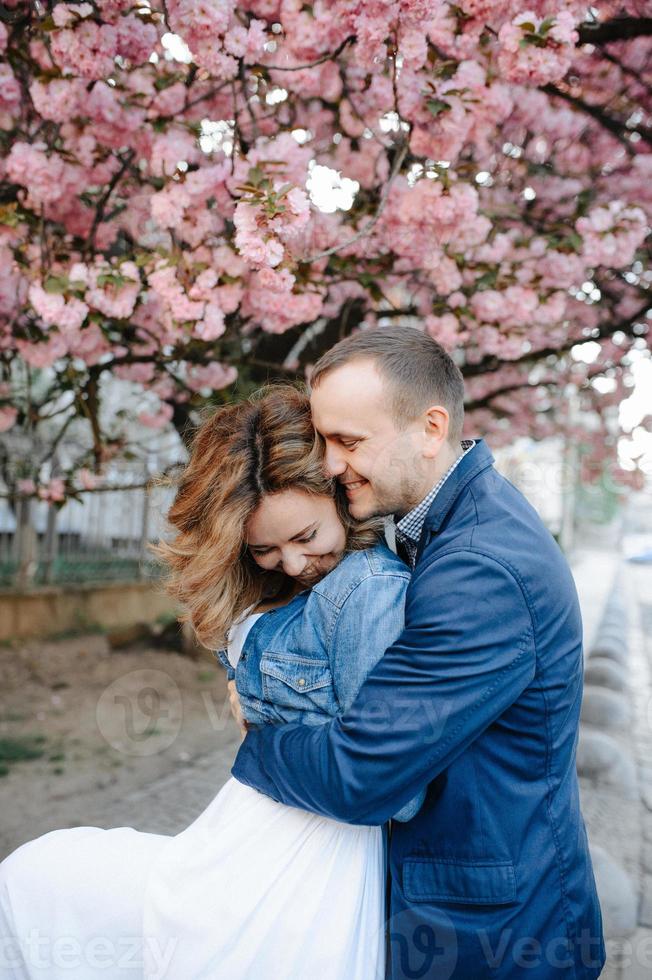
x=102 y=537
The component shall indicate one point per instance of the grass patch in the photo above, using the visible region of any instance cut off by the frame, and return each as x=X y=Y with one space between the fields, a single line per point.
x=20 y=749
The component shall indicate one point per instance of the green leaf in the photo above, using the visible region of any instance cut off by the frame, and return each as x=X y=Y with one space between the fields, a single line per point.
x=56 y=284
x=9 y=215
x=437 y=106
x=165 y=81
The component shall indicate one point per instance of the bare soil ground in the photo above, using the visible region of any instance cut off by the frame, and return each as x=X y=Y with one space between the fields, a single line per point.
x=107 y=723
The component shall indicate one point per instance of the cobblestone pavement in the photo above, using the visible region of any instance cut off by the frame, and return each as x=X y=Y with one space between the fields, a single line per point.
x=171 y=802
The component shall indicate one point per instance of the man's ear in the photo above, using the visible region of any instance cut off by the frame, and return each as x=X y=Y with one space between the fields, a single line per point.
x=436 y=423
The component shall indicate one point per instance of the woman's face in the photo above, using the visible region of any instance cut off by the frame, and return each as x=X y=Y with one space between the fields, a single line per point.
x=297 y=533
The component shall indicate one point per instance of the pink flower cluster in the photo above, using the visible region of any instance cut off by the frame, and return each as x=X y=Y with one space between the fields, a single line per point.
x=46 y=176
x=181 y=204
x=534 y=53
x=215 y=36
x=158 y=418
x=8 y=416
x=54 y=491
x=111 y=290
x=210 y=377
x=611 y=234
x=55 y=311
x=260 y=239
x=423 y=221
x=85 y=48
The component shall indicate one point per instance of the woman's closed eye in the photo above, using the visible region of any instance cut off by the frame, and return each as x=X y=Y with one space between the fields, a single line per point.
x=266 y=551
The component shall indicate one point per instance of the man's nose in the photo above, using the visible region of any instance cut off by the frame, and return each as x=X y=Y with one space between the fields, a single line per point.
x=334 y=464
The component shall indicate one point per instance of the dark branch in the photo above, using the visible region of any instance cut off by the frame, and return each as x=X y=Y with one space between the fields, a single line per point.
x=101 y=207
x=313 y=64
x=613 y=126
x=617 y=29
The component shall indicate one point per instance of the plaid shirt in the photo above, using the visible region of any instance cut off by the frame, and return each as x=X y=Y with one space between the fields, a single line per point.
x=408 y=529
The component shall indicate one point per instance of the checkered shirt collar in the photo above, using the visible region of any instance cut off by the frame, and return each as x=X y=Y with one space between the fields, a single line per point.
x=408 y=529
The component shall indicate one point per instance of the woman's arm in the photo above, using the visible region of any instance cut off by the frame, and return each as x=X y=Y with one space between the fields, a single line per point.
x=369 y=621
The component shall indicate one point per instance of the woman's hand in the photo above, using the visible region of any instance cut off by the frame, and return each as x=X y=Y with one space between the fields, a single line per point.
x=236 y=711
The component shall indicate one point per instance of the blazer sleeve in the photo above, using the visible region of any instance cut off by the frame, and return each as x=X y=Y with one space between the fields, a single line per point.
x=466 y=654
x=370 y=619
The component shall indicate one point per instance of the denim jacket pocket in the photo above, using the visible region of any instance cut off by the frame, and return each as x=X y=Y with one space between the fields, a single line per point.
x=459 y=882
x=292 y=680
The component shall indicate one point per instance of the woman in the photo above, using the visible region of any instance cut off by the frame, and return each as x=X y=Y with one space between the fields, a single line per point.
x=268 y=563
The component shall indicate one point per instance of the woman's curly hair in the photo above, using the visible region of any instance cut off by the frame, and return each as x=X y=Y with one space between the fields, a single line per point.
x=240 y=454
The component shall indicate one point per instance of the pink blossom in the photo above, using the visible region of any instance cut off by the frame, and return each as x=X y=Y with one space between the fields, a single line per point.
x=211 y=377
x=89 y=344
x=8 y=416
x=525 y=62
x=9 y=96
x=54 y=310
x=87 y=479
x=111 y=298
x=42 y=355
x=26 y=487
x=277 y=312
x=444 y=329
x=611 y=234
x=4 y=37
x=212 y=325
x=46 y=177
x=249 y=238
x=65 y=14
x=54 y=491
x=87 y=50
x=59 y=99
x=142 y=373
x=136 y=39
x=158 y=419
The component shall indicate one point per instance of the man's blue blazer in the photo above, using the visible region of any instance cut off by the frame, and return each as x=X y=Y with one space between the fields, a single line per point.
x=479 y=699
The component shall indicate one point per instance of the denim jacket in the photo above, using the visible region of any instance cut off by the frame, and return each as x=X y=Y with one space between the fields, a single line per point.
x=305 y=661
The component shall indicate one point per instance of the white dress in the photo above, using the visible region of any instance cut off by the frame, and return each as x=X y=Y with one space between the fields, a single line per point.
x=251 y=890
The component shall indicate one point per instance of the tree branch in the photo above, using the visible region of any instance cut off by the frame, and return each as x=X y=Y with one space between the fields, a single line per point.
x=617 y=29
x=613 y=126
x=400 y=157
x=104 y=200
x=485 y=401
x=313 y=64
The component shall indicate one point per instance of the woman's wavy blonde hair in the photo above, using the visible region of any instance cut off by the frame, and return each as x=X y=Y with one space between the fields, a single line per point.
x=240 y=454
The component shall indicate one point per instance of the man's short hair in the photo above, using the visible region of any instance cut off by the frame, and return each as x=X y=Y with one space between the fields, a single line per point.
x=418 y=370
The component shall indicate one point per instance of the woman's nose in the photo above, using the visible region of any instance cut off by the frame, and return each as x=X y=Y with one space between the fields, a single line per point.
x=293 y=563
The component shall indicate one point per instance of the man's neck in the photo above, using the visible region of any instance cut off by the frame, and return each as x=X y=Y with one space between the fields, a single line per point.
x=433 y=474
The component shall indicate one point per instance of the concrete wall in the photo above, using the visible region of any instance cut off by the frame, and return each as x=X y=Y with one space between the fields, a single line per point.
x=53 y=609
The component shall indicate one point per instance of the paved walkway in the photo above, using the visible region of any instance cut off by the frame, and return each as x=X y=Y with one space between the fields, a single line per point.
x=617 y=806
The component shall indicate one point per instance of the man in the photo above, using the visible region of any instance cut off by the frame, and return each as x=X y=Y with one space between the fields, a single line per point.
x=478 y=699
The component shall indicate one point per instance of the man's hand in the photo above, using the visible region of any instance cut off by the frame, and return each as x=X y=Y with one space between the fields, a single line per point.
x=236 y=711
